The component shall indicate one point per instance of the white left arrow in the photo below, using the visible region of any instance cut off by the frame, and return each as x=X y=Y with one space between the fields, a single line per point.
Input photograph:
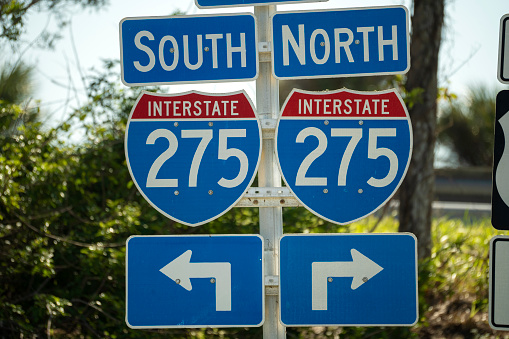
x=361 y=269
x=181 y=270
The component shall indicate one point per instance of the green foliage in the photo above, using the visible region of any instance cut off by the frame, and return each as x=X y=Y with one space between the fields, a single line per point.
x=413 y=97
x=15 y=82
x=460 y=255
x=14 y=13
x=65 y=214
x=455 y=275
x=466 y=128
x=15 y=89
x=66 y=211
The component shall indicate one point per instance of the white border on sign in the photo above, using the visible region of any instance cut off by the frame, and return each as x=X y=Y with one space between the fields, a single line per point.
x=194 y=236
x=491 y=287
x=503 y=59
x=254 y=3
x=331 y=118
x=355 y=234
x=349 y=75
x=180 y=94
x=192 y=81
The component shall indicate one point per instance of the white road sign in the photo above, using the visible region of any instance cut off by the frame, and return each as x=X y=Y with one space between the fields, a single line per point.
x=499 y=287
x=503 y=55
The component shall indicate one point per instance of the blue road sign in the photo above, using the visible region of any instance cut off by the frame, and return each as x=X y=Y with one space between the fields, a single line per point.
x=345 y=42
x=194 y=281
x=343 y=153
x=348 y=279
x=188 y=49
x=193 y=155
x=231 y=3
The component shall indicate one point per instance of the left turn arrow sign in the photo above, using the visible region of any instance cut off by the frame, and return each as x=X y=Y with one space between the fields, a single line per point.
x=181 y=270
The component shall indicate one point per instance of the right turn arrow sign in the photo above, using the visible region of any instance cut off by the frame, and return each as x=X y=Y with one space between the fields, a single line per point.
x=361 y=269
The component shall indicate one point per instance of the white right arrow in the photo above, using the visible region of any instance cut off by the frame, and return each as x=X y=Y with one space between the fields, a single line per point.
x=361 y=269
x=181 y=270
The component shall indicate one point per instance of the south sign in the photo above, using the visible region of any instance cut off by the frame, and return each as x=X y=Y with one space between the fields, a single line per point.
x=188 y=49
x=343 y=153
x=193 y=155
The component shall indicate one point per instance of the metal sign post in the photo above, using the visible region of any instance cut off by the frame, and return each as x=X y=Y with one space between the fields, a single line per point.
x=271 y=218
x=240 y=48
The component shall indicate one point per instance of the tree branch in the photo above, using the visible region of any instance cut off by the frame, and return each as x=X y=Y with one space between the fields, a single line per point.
x=97 y=308
x=66 y=240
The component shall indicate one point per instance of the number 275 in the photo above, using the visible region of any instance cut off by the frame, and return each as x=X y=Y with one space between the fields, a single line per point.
x=206 y=136
x=355 y=135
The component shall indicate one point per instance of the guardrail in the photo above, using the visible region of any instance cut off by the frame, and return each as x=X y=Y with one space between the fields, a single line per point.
x=457 y=191
x=467 y=184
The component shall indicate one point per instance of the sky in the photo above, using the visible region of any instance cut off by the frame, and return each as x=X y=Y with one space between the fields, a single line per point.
x=469 y=54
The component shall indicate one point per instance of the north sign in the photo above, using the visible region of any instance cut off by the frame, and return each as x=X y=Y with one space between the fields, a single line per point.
x=193 y=155
x=188 y=49
x=194 y=281
x=340 y=43
x=343 y=153
x=348 y=279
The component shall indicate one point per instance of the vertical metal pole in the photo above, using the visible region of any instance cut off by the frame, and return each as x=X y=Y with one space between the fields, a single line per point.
x=271 y=218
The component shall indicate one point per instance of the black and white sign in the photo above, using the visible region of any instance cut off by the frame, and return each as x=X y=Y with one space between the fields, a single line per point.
x=500 y=193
